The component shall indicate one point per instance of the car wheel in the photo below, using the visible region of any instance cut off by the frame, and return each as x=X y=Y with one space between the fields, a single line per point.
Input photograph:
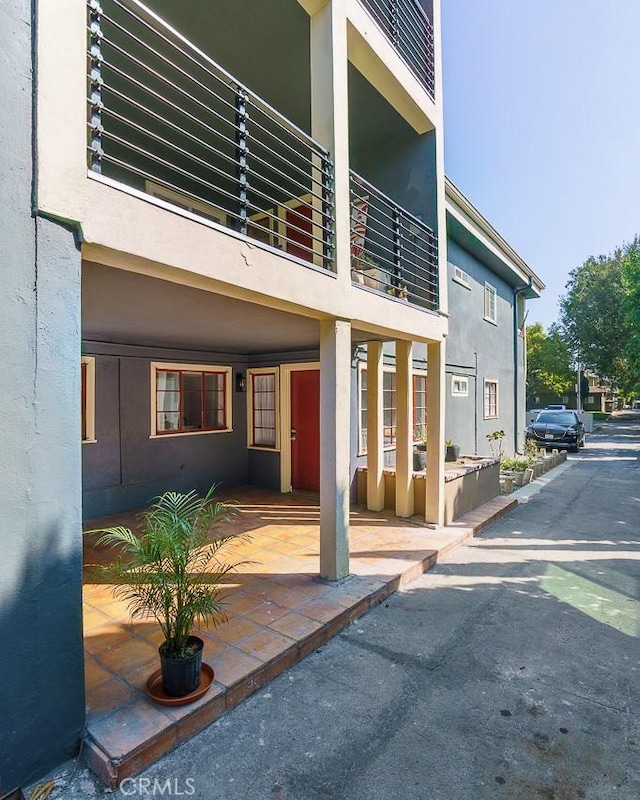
x=575 y=448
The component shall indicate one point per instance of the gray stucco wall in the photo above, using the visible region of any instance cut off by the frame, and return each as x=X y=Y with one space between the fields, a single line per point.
x=124 y=468
x=386 y=151
x=479 y=350
x=41 y=659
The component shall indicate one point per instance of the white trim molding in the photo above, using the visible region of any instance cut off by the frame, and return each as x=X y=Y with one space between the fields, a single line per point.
x=89 y=411
x=251 y=372
x=177 y=366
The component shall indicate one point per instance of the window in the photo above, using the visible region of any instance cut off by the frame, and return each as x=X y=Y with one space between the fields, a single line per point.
x=459 y=386
x=262 y=399
x=389 y=407
x=460 y=276
x=419 y=406
x=490 y=312
x=186 y=203
x=88 y=396
x=190 y=398
x=363 y=411
x=490 y=399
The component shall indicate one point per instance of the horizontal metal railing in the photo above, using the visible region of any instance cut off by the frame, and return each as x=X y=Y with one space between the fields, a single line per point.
x=392 y=251
x=167 y=120
x=410 y=30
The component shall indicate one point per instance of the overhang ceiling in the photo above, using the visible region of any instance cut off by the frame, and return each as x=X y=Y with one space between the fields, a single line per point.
x=127 y=308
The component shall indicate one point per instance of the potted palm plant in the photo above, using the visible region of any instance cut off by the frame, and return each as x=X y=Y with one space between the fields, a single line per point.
x=172 y=572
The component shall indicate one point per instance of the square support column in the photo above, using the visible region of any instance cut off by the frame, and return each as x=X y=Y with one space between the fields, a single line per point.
x=335 y=421
x=434 y=504
x=330 y=114
x=375 y=437
x=404 y=429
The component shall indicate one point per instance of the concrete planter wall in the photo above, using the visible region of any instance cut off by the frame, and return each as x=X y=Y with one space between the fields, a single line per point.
x=466 y=487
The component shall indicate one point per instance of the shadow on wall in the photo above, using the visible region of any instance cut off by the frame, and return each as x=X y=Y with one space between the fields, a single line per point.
x=41 y=662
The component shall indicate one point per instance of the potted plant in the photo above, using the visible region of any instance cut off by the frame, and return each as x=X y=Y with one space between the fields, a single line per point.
x=452 y=452
x=172 y=572
x=420 y=449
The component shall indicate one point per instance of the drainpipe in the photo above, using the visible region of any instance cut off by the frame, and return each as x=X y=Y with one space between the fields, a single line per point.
x=518 y=290
x=475 y=403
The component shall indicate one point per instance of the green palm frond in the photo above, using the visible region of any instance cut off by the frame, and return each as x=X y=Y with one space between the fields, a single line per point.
x=172 y=572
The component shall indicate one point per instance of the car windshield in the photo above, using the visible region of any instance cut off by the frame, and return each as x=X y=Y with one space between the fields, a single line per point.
x=557 y=417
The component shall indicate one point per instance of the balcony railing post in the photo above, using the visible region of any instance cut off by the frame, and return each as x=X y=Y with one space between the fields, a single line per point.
x=327 y=236
x=393 y=21
x=96 y=83
x=242 y=151
x=397 y=248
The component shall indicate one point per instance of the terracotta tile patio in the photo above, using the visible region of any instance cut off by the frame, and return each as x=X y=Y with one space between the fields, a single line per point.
x=278 y=613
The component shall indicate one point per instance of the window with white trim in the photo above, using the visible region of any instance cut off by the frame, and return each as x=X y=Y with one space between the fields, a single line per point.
x=490 y=303
x=389 y=407
x=190 y=398
x=419 y=406
x=462 y=277
x=459 y=386
x=88 y=398
x=490 y=399
x=263 y=402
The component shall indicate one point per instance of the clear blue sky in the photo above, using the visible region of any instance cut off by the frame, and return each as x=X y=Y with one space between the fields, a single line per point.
x=542 y=126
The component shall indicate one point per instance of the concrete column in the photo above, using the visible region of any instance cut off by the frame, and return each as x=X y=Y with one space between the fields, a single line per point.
x=404 y=429
x=330 y=113
x=335 y=420
x=375 y=437
x=434 y=504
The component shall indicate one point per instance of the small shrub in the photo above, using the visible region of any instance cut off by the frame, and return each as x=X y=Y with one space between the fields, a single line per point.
x=508 y=464
x=495 y=442
x=600 y=416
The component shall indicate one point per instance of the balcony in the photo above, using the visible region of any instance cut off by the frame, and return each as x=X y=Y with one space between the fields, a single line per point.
x=392 y=251
x=168 y=121
x=410 y=31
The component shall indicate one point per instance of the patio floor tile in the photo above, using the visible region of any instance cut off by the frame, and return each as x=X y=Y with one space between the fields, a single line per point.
x=278 y=612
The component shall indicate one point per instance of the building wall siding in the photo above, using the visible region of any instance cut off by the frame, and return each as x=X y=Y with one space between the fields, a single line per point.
x=42 y=693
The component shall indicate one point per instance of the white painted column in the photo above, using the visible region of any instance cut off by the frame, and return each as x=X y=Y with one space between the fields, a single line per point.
x=330 y=113
x=404 y=429
x=375 y=438
x=335 y=426
x=434 y=505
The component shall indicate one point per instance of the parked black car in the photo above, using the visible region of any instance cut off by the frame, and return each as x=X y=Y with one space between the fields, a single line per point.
x=557 y=429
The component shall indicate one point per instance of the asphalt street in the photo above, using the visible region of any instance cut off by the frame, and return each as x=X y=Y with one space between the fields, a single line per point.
x=511 y=670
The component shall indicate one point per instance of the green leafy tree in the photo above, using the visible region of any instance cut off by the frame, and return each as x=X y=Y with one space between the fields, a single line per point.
x=631 y=285
x=549 y=367
x=593 y=316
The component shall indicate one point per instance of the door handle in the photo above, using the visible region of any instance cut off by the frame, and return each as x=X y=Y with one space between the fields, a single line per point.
x=293 y=434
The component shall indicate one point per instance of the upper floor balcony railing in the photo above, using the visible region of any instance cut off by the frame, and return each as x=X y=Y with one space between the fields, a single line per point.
x=392 y=251
x=410 y=30
x=166 y=120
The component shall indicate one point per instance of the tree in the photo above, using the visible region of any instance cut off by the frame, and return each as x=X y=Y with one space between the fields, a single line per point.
x=600 y=315
x=549 y=368
x=591 y=315
x=631 y=284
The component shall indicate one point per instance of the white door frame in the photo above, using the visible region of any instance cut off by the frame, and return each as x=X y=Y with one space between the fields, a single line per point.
x=285 y=418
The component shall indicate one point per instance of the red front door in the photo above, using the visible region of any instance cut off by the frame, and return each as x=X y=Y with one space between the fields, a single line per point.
x=305 y=430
